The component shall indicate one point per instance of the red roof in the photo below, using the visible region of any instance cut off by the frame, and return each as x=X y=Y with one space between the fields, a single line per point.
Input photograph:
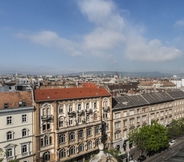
x=69 y=93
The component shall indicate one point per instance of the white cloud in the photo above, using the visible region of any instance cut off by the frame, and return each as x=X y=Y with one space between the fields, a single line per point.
x=179 y=23
x=112 y=31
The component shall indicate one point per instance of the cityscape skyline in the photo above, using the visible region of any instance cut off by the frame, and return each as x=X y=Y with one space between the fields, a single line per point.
x=46 y=37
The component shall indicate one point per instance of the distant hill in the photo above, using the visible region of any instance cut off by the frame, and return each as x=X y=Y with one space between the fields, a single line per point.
x=127 y=74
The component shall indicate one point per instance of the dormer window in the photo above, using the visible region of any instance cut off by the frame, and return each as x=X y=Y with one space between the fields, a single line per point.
x=22 y=104
x=5 y=105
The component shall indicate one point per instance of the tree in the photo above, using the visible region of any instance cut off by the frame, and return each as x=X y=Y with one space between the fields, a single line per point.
x=2 y=154
x=175 y=128
x=150 y=137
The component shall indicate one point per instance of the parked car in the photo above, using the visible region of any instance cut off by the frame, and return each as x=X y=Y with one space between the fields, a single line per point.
x=150 y=153
x=172 y=142
x=142 y=158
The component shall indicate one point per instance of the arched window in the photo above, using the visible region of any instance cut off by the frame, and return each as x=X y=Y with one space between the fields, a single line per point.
x=46 y=156
x=72 y=136
x=9 y=135
x=24 y=148
x=62 y=138
x=44 y=112
x=72 y=150
x=70 y=108
x=46 y=140
x=79 y=107
x=62 y=153
x=89 y=145
x=24 y=132
x=81 y=147
x=94 y=105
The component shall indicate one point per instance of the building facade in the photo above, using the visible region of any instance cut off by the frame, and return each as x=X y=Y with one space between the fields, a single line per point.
x=130 y=112
x=71 y=122
x=16 y=126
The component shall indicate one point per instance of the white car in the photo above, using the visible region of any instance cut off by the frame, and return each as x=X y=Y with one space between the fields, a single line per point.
x=172 y=142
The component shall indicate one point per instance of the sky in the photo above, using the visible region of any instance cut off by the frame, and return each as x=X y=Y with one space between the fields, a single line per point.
x=65 y=36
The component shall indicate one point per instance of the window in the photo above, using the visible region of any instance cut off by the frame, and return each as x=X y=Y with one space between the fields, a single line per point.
x=124 y=133
x=97 y=130
x=72 y=136
x=79 y=119
x=107 y=126
x=79 y=107
x=117 y=125
x=62 y=138
x=89 y=133
x=24 y=149
x=97 y=142
x=9 y=152
x=46 y=140
x=138 y=111
x=72 y=150
x=9 y=120
x=87 y=106
x=81 y=134
x=5 y=105
x=124 y=123
x=22 y=104
x=9 y=135
x=62 y=153
x=46 y=156
x=117 y=134
x=81 y=147
x=117 y=115
x=143 y=110
x=70 y=108
x=138 y=119
x=87 y=118
x=46 y=126
x=24 y=132
x=60 y=123
x=89 y=145
x=70 y=121
x=131 y=121
x=124 y=113
x=95 y=106
x=60 y=109
x=95 y=116
x=24 y=118
x=144 y=118
x=131 y=112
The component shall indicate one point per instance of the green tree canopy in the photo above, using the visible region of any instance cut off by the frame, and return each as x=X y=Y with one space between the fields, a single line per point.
x=150 y=137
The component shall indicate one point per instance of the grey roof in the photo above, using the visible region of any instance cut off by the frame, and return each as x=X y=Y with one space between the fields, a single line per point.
x=176 y=94
x=124 y=102
x=156 y=97
x=128 y=101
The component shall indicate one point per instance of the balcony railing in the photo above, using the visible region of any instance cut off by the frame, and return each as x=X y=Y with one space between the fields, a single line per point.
x=80 y=112
x=47 y=117
x=106 y=108
x=89 y=111
x=71 y=114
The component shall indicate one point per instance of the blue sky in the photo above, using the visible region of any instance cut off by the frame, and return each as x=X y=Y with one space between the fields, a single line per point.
x=62 y=36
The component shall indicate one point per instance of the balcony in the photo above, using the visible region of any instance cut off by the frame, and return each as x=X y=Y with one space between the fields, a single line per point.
x=106 y=109
x=47 y=117
x=71 y=114
x=89 y=111
x=80 y=112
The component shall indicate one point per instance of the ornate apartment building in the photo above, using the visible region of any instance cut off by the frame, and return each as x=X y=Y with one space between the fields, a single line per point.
x=131 y=112
x=16 y=126
x=71 y=122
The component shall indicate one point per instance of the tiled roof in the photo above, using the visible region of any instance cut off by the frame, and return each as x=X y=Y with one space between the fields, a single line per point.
x=13 y=98
x=69 y=93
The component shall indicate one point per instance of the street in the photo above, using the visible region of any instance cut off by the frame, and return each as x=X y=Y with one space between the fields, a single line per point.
x=164 y=155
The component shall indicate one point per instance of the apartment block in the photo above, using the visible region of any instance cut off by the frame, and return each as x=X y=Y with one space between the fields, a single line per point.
x=71 y=122
x=16 y=126
x=130 y=112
